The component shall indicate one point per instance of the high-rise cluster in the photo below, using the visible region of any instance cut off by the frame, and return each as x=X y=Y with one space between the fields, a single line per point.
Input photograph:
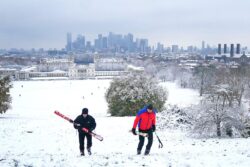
x=112 y=42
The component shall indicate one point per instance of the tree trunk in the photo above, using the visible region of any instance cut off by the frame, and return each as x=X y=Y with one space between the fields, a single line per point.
x=240 y=96
x=218 y=128
x=201 y=88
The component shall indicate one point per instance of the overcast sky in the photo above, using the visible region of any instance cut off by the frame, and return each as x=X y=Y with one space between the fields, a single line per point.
x=44 y=23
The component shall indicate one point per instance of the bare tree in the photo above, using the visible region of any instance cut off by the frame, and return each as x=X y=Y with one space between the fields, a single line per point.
x=236 y=79
x=214 y=113
x=205 y=77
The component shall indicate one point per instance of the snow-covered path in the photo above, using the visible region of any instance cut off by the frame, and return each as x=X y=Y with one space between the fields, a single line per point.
x=32 y=135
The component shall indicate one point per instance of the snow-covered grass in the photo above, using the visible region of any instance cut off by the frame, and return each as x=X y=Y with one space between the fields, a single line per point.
x=32 y=135
x=180 y=97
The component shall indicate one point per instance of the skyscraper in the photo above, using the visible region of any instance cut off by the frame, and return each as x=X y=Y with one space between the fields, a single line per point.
x=175 y=48
x=129 y=42
x=143 y=45
x=219 y=48
x=100 y=42
x=79 y=44
x=69 y=42
x=160 y=47
x=104 y=42
x=88 y=46
x=203 y=46
x=110 y=40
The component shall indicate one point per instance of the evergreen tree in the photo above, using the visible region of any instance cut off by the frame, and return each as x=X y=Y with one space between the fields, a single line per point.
x=5 y=98
x=126 y=95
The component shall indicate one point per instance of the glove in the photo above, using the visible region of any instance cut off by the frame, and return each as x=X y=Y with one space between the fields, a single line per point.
x=71 y=121
x=85 y=130
x=133 y=131
x=77 y=126
x=153 y=128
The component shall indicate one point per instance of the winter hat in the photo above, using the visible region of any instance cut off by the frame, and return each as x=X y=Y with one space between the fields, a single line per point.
x=85 y=111
x=150 y=107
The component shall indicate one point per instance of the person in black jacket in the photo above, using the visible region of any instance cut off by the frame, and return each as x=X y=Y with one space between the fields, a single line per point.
x=88 y=122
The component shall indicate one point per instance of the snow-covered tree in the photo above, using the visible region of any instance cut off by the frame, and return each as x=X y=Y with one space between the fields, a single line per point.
x=174 y=117
x=126 y=95
x=237 y=80
x=204 y=77
x=167 y=72
x=151 y=67
x=183 y=77
x=5 y=98
x=214 y=115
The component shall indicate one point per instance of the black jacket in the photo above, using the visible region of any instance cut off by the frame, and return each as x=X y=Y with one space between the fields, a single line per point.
x=88 y=122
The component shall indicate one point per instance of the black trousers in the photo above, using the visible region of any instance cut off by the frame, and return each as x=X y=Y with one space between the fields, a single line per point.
x=81 y=141
x=142 y=139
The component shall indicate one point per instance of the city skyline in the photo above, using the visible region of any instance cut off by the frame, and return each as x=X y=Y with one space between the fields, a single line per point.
x=128 y=42
x=43 y=24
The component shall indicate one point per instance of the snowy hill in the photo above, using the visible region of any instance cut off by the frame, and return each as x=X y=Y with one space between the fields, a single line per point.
x=32 y=135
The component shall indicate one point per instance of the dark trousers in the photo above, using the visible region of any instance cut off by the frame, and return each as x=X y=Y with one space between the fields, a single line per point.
x=81 y=141
x=150 y=140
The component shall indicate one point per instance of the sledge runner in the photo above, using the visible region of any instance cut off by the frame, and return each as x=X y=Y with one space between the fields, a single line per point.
x=146 y=120
x=85 y=123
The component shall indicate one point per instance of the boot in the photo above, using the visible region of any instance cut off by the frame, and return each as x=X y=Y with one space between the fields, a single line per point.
x=146 y=152
x=82 y=153
x=138 y=152
x=89 y=151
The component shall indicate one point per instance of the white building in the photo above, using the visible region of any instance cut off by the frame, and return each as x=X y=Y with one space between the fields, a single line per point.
x=109 y=64
x=47 y=65
x=82 y=71
x=67 y=69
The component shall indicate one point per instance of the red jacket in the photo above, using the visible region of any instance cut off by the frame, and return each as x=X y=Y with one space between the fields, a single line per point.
x=144 y=119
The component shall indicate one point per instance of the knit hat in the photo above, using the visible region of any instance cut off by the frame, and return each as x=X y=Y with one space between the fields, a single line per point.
x=150 y=107
x=85 y=111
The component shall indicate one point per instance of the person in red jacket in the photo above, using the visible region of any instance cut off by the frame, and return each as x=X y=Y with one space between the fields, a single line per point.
x=145 y=119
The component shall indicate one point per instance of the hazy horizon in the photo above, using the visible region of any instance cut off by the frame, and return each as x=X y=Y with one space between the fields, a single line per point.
x=44 y=24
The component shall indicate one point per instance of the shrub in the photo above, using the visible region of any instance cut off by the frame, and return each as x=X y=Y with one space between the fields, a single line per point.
x=128 y=94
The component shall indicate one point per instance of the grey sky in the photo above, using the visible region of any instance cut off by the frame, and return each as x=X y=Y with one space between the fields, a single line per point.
x=44 y=23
